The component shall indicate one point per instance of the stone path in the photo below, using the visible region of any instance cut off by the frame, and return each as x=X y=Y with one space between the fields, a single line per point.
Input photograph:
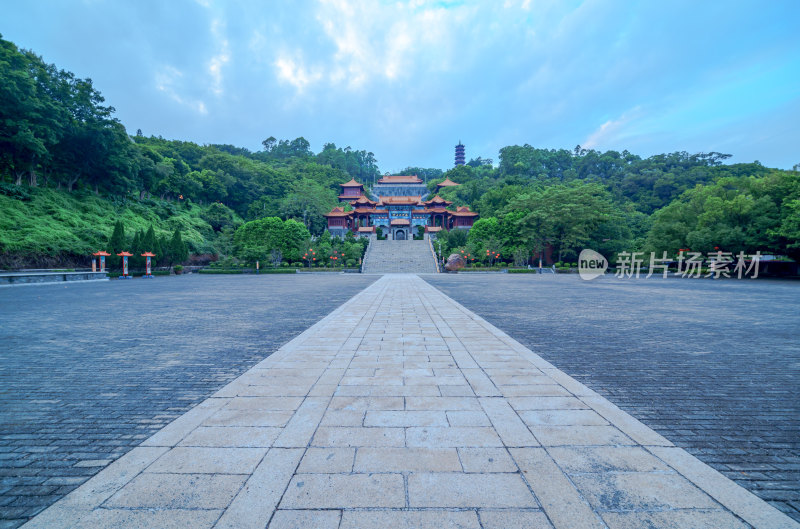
x=403 y=409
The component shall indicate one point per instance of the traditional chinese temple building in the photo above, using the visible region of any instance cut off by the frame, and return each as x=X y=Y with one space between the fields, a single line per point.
x=398 y=205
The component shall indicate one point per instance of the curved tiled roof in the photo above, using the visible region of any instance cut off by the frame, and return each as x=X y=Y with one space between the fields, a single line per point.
x=447 y=183
x=352 y=183
x=400 y=179
x=409 y=199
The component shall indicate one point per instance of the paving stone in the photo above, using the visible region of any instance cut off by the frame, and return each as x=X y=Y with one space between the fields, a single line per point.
x=231 y=436
x=606 y=459
x=561 y=417
x=507 y=423
x=484 y=460
x=327 y=461
x=433 y=437
x=641 y=491
x=580 y=435
x=337 y=491
x=264 y=403
x=166 y=519
x=468 y=490
x=547 y=403
x=514 y=520
x=405 y=418
x=467 y=418
x=257 y=500
x=691 y=519
x=343 y=418
x=559 y=499
x=407 y=460
x=240 y=417
x=310 y=519
x=178 y=491
x=356 y=436
x=366 y=403
x=194 y=460
x=442 y=403
x=410 y=520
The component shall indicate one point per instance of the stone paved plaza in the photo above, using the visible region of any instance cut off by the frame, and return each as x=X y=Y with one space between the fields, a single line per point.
x=714 y=366
x=404 y=409
x=89 y=370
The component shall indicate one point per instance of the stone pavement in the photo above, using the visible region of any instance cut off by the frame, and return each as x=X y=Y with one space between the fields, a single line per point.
x=403 y=409
x=90 y=369
x=713 y=366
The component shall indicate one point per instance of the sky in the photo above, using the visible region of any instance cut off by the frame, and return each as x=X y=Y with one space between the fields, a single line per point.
x=407 y=80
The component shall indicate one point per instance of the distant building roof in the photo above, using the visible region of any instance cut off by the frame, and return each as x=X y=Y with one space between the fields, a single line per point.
x=401 y=222
x=362 y=200
x=339 y=212
x=447 y=183
x=400 y=200
x=463 y=211
x=437 y=200
x=352 y=183
x=400 y=179
x=365 y=229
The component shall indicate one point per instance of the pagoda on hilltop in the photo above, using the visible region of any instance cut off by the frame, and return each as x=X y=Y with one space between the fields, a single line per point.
x=460 y=155
x=398 y=206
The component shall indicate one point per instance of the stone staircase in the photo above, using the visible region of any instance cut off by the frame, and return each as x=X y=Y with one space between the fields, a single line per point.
x=405 y=257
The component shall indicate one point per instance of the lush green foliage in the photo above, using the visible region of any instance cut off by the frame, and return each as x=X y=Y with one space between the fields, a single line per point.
x=69 y=172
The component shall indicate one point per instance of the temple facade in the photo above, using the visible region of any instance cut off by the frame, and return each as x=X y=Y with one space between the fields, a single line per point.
x=398 y=205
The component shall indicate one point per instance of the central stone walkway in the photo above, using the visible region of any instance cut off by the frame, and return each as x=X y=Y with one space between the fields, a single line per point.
x=403 y=409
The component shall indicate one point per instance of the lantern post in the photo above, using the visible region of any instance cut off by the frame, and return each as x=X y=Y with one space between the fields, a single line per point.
x=147 y=273
x=101 y=255
x=125 y=256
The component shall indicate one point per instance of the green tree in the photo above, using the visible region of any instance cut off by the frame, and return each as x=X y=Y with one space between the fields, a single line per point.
x=177 y=251
x=117 y=244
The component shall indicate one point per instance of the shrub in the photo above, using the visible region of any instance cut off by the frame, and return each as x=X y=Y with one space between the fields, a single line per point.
x=350 y=263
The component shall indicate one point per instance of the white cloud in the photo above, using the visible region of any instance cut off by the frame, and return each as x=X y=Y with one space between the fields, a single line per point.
x=166 y=80
x=219 y=60
x=290 y=71
x=611 y=130
x=375 y=41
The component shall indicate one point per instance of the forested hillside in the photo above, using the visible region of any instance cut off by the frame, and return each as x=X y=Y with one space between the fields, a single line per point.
x=69 y=170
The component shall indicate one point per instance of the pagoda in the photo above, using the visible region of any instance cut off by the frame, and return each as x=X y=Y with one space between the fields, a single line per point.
x=460 y=156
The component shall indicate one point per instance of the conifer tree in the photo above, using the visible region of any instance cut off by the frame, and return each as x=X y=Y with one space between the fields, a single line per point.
x=178 y=252
x=116 y=244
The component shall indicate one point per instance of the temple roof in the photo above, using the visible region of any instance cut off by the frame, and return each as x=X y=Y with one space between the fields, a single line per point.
x=352 y=183
x=463 y=211
x=366 y=228
x=400 y=200
x=339 y=212
x=362 y=200
x=400 y=179
x=437 y=200
x=447 y=183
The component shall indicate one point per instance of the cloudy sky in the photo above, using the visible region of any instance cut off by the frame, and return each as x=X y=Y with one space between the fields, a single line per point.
x=408 y=79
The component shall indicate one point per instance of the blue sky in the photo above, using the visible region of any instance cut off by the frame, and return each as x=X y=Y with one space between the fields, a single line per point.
x=407 y=80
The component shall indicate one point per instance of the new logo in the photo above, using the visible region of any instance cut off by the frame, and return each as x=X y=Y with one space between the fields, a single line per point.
x=591 y=264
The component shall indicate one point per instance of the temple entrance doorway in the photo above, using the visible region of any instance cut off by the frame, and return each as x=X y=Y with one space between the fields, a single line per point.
x=400 y=235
